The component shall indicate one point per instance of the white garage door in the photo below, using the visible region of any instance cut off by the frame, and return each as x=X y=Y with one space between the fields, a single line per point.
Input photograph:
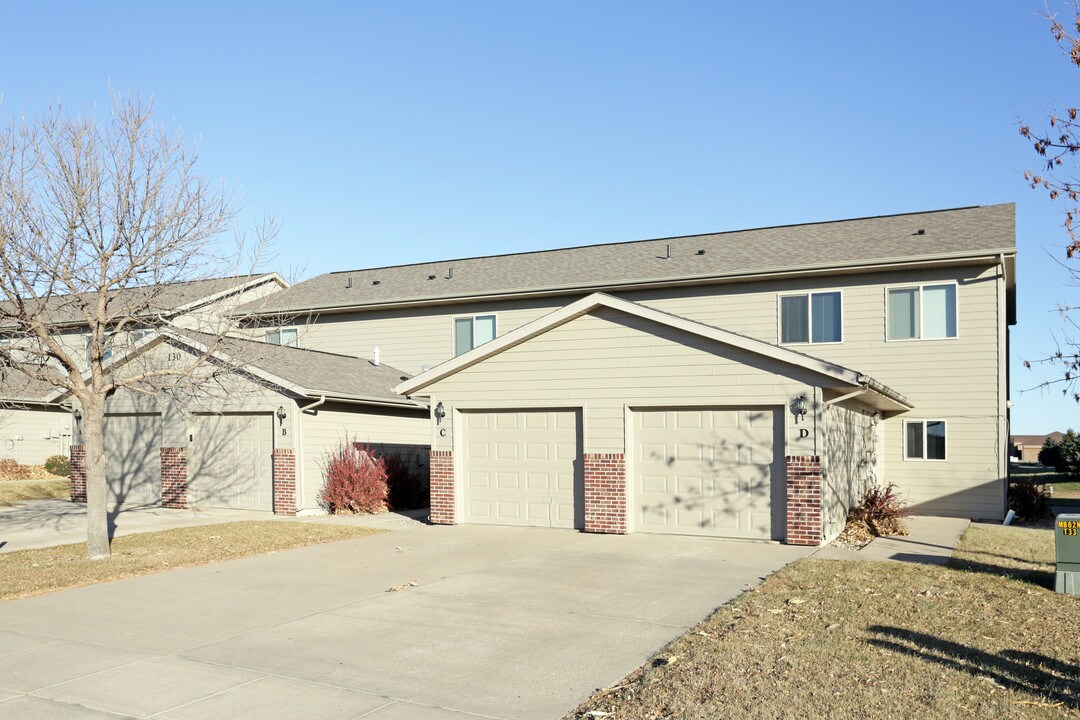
x=706 y=472
x=230 y=461
x=133 y=447
x=523 y=468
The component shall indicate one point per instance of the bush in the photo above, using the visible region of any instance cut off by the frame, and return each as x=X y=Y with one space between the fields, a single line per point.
x=1029 y=499
x=58 y=465
x=355 y=480
x=1063 y=456
x=881 y=511
x=409 y=487
x=11 y=469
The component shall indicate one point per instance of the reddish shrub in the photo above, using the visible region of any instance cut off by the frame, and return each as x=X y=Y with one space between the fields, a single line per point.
x=355 y=480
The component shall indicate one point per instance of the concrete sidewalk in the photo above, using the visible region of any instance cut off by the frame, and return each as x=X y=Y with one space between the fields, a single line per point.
x=931 y=542
x=42 y=523
x=503 y=622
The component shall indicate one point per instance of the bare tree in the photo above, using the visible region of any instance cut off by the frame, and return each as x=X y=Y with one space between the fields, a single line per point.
x=1057 y=143
x=97 y=217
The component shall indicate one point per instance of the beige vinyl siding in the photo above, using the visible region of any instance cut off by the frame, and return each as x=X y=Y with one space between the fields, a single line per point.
x=408 y=339
x=848 y=461
x=388 y=430
x=953 y=379
x=32 y=434
x=608 y=361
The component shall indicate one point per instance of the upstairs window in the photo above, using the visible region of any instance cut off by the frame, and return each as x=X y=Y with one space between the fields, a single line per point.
x=922 y=312
x=470 y=332
x=284 y=336
x=924 y=439
x=810 y=317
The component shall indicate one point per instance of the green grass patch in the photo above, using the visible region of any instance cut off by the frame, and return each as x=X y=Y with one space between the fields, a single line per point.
x=984 y=637
x=42 y=570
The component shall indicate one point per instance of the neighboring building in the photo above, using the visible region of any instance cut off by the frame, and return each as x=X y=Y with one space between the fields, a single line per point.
x=1025 y=448
x=32 y=429
x=747 y=384
x=255 y=437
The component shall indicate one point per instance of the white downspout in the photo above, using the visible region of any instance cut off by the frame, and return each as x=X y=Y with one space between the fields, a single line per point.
x=864 y=389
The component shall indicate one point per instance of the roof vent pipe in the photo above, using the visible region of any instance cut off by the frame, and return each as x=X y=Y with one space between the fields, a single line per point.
x=450 y=273
x=375 y=357
x=348 y=283
x=668 y=252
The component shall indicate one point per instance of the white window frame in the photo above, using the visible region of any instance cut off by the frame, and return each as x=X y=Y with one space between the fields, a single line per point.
x=279 y=331
x=922 y=320
x=453 y=330
x=924 y=421
x=810 y=316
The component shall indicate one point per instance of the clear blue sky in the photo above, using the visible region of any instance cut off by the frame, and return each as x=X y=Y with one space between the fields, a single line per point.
x=392 y=132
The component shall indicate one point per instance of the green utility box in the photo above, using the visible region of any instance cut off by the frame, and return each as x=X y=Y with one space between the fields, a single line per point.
x=1067 y=537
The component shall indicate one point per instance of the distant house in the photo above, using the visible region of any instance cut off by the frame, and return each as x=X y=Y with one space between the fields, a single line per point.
x=1026 y=447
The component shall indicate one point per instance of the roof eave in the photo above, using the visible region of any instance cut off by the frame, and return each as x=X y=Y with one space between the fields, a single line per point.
x=591 y=302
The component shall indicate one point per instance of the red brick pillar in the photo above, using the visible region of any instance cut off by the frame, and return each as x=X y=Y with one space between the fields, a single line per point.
x=284 y=481
x=174 y=477
x=442 y=487
x=804 y=500
x=77 y=454
x=605 y=493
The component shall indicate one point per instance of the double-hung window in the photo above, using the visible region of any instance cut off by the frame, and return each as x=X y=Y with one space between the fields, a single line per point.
x=470 y=332
x=811 y=317
x=924 y=439
x=922 y=312
x=283 y=336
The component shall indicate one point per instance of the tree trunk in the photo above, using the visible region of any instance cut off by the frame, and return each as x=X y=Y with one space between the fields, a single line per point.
x=97 y=492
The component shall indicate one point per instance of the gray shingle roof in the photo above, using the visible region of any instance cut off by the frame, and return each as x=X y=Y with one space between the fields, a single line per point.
x=16 y=386
x=163 y=299
x=843 y=243
x=313 y=371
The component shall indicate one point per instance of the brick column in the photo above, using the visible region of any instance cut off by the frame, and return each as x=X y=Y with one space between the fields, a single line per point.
x=284 y=481
x=174 y=477
x=77 y=454
x=605 y=493
x=804 y=500
x=441 y=467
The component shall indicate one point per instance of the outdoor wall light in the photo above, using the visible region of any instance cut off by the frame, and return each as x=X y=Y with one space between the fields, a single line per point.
x=77 y=415
x=280 y=415
x=799 y=407
x=440 y=413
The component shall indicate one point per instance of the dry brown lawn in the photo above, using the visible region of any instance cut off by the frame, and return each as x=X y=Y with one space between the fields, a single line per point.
x=984 y=637
x=33 y=572
x=14 y=491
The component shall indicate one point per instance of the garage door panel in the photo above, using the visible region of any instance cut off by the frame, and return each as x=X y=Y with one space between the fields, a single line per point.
x=508 y=480
x=477 y=480
x=231 y=461
x=477 y=451
x=132 y=443
x=705 y=471
x=535 y=459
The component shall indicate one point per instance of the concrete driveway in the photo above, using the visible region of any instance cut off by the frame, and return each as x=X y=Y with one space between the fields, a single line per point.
x=503 y=623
